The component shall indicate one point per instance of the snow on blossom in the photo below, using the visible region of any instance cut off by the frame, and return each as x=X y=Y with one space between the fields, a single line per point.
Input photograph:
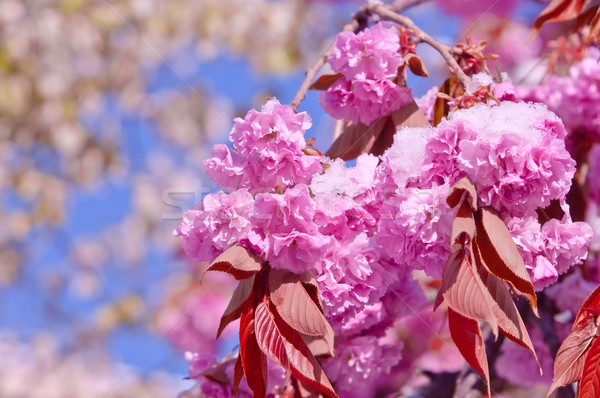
x=268 y=151
x=404 y=159
x=517 y=157
x=575 y=98
x=350 y=181
x=215 y=224
x=480 y=79
x=370 y=54
x=514 y=153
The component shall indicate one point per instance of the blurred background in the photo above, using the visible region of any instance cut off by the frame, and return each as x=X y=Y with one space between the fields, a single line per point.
x=107 y=110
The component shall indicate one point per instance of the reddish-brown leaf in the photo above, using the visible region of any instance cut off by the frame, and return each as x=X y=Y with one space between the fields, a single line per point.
x=456 y=193
x=285 y=346
x=594 y=35
x=269 y=338
x=240 y=299
x=585 y=17
x=557 y=10
x=500 y=255
x=465 y=293
x=441 y=108
x=463 y=223
x=356 y=139
x=218 y=372
x=503 y=306
x=238 y=261
x=302 y=390
x=296 y=307
x=310 y=284
x=409 y=115
x=376 y=138
x=325 y=81
x=238 y=373
x=416 y=65
x=589 y=384
x=254 y=361
x=439 y=299
x=318 y=346
x=385 y=139
x=591 y=302
x=571 y=355
x=466 y=334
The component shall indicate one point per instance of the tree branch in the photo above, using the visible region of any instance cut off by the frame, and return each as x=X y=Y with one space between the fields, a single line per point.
x=359 y=22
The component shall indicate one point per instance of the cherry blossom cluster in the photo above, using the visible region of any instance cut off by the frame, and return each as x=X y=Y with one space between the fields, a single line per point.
x=300 y=227
x=362 y=230
x=367 y=61
x=580 y=90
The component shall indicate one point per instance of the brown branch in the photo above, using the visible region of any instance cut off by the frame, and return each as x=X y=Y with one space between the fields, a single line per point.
x=444 y=50
x=359 y=22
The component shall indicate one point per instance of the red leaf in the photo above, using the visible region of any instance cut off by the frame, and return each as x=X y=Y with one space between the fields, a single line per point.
x=465 y=293
x=500 y=255
x=269 y=338
x=238 y=373
x=557 y=10
x=238 y=261
x=296 y=307
x=409 y=115
x=503 y=306
x=416 y=65
x=310 y=284
x=571 y=355
x=253 y=360
x=474 y=293
x=594 y=34
x=589 y=384
x=285 y=346
x=466 y=334
x=439 y=299
x=318 y=346
x=240 y=298
x=385 y=139
x=463 y=223
x=456 y=193
x=356 y=139
x=376 y=138
x=591 y=302
x=325 y=81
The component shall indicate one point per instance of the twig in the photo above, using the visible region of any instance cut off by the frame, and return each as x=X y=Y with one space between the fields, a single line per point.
x=444 y=50
x=359 y=22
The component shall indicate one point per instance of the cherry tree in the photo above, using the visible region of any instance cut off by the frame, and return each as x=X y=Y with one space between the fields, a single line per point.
x=450 y=258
